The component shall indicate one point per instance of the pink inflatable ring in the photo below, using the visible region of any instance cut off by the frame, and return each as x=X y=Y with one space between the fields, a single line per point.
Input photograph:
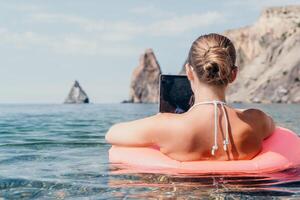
x=280 y=151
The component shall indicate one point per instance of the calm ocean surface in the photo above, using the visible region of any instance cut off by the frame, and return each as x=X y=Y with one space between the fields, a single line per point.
x=59 y=152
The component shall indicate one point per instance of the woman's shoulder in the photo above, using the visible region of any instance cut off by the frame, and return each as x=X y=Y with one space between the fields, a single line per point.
x=253 y=112
x=175 y=122
x=170 y=116
x=255 y=115
x=259 y=121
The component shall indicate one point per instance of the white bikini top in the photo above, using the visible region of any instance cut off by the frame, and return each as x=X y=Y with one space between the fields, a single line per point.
x=226 y=140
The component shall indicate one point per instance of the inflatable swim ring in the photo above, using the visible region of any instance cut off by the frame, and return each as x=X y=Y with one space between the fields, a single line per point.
x=280 y=151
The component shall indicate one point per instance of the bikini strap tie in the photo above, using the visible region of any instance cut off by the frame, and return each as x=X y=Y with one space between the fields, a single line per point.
x=226 y=140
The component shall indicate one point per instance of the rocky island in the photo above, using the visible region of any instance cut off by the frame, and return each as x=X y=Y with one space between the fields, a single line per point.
x=145 y=80
x=77 y=95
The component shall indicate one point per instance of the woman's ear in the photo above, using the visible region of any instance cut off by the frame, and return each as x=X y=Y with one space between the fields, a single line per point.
x=233 y=74
x=189 y=71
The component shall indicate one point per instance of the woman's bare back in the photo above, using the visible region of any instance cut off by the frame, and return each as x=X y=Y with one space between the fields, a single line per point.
x=247 y=130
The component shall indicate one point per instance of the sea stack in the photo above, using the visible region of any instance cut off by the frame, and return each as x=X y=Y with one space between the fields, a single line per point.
x=77 y=95
x=145 y=80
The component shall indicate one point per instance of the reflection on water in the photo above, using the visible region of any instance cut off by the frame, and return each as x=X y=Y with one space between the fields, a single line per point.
x=59 y=152
x=285 y=183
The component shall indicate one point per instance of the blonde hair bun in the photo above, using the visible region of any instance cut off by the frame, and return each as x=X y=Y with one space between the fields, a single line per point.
x=213 y=58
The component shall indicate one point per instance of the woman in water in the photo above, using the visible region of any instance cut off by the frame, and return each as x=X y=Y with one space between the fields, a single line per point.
x=210 y=130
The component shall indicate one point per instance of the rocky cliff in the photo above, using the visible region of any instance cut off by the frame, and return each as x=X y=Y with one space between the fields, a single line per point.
x=77 y=95
x=145 y=79
x=268 y=56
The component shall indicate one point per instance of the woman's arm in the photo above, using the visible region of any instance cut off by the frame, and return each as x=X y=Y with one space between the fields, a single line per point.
x=140 y=133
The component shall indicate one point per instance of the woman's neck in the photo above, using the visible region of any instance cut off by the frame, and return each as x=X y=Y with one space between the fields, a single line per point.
x=209 y=93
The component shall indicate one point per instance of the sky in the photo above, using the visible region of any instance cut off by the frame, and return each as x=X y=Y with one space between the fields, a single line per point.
x=46 y=45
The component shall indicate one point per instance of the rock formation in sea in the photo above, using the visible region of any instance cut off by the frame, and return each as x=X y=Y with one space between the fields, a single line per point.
x=268 y=56
x=77 y=95
x=145 y=80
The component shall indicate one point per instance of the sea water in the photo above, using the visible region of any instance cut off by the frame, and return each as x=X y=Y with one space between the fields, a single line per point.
x=59 y=152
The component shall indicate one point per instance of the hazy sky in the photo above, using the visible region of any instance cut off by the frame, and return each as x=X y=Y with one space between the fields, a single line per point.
x=46 y=45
